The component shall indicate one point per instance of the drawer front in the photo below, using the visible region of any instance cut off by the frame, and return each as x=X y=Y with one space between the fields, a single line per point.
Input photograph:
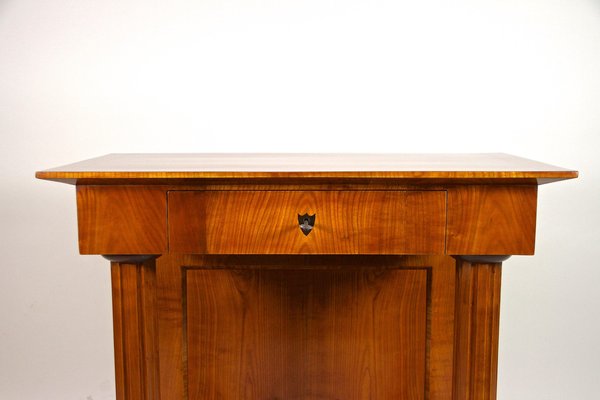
x=346 y=222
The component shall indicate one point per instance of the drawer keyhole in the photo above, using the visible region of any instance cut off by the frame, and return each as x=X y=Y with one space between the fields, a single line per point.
x=307 y=223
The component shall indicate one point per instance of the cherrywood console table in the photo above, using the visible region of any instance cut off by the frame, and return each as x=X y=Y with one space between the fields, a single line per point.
x=306 y=277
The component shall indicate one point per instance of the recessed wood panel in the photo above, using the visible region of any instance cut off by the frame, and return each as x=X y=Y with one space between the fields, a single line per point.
x=122 y=220
x=491 y=220
x=347 y=222
x=306 y=334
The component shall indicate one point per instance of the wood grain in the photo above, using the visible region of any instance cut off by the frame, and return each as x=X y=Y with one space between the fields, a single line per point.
x=170 y=300
x=122 y=220
x=164 y=167
x=135 y=330
x=350 y=334
x=491 y=220
x=347 y=222
x=440 y=346
x=440 y=299
x=476 y=330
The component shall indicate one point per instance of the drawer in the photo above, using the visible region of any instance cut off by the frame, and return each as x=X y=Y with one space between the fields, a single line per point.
x=346 y=222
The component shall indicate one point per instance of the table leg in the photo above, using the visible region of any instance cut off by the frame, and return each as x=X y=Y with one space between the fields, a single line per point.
x=477 y=317
x=135 y=327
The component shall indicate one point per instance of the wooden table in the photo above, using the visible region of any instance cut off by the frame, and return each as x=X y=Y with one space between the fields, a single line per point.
x=297 y=276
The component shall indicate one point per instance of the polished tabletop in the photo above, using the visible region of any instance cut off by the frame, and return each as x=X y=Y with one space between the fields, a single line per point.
x=165 y=167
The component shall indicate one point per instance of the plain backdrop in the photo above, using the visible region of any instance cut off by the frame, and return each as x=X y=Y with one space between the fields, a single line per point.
x=81 y=78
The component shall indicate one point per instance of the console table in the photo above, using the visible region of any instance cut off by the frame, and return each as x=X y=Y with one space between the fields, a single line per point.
x=306 y=276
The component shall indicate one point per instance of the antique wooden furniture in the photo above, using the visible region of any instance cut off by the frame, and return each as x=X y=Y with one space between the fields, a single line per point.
x=290 y=276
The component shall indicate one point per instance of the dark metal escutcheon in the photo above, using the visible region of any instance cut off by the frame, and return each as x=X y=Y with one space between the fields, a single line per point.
x=307 y=223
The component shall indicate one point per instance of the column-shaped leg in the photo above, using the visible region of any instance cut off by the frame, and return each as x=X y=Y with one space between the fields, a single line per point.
x=135 y=327
x=477 y=317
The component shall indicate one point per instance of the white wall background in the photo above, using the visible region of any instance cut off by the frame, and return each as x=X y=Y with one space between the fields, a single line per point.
x=83 y=78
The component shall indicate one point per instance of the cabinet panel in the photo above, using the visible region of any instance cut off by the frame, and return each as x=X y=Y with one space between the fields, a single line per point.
x=331 y=322
x=306 y=334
